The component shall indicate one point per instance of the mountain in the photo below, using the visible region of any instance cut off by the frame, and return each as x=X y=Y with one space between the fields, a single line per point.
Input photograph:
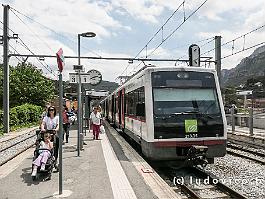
x=249 y=67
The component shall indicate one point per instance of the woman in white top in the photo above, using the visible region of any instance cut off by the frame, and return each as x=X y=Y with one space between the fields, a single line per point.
x=51 y=122
x=95 y=118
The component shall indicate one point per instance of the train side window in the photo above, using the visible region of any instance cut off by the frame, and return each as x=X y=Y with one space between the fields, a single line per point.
x=140 y=110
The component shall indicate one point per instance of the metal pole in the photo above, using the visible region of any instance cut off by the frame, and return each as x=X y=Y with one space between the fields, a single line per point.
x=251 y=116
x=251 y=121
x=79 y=101
x=233 y=118
x=218 y=57
x=6 y=68
x=60 y=133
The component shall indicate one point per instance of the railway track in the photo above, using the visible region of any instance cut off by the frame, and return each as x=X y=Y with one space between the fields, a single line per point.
x=195 y=183
x=247 y=155
x=189 y=182
x=258 y=152
x=11 y=148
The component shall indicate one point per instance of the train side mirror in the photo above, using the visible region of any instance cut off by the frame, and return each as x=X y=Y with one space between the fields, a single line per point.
x=140 y=110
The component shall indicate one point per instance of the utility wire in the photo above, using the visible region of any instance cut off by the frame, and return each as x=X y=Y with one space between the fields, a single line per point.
x=233 y=40
x=61 y=35
x=8 y=28
x=243 y=50
x=161 y=28
x=48 y=68
x=254 y=30
x=32 y=31
x=177 y=28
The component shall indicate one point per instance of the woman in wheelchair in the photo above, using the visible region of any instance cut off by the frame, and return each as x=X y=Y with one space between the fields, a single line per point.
x=45 y=152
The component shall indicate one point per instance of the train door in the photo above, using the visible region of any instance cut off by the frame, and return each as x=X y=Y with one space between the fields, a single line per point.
x=123 y=108
x=113 y=108
x=119 y=108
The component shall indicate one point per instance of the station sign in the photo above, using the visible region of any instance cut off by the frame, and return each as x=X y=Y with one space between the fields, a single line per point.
x=244 y=92
x=73 y=78
x=94 y=93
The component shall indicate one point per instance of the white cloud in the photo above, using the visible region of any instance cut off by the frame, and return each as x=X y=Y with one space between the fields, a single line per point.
x=69 y=17
x=141 y=9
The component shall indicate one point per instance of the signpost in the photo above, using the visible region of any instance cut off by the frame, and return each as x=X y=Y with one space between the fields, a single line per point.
x=92 y=77
x=60 y=62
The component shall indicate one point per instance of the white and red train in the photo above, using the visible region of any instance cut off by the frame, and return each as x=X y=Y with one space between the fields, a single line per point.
x=167 y=110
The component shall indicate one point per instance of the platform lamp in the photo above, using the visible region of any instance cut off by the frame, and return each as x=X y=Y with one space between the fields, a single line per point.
x=86 y=34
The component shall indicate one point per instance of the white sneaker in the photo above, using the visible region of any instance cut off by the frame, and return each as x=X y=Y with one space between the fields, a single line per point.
x=34 y=172
x=42 y=168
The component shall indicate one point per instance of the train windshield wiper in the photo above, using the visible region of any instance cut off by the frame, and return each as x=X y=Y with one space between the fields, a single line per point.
x=192 y=112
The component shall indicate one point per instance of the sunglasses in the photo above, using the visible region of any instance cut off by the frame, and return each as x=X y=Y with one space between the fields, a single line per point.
x=51 y=110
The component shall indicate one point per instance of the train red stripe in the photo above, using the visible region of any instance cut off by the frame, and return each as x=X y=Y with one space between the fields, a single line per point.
x=187 y=143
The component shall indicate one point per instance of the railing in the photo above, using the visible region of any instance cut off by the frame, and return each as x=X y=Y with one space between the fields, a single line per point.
x=250 y=118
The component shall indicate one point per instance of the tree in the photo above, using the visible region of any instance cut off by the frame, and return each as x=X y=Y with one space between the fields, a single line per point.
x=230 y=95
x=28 y=85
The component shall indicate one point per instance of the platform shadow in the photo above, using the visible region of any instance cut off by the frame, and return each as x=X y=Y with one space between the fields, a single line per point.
x=26 y=177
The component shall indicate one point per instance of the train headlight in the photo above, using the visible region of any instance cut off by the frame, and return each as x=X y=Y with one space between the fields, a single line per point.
x=183 y=75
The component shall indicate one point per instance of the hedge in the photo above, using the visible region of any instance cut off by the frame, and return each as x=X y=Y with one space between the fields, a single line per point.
x=21 y=116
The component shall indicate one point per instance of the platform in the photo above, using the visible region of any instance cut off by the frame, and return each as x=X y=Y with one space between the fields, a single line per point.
x=106 y=168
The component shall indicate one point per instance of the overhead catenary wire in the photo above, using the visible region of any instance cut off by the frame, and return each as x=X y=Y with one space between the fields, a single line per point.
x=248 y=48
x=145 y=46
x=236 y=38
x=162 y=27
x=178 y=27
x=46 y=66
x=48 y=28
x=36 y=35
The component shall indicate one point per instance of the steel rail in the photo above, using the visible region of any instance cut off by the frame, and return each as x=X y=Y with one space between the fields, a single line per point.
x=220 y=185
x=15 y=155
x=16 y=143
x=246 y=157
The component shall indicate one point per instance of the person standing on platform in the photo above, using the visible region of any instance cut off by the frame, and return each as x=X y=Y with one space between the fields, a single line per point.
x=95 y=118
x=66 y=123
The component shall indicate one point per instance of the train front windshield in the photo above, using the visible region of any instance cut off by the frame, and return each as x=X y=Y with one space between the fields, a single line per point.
x=185 y=105
x=168 y=101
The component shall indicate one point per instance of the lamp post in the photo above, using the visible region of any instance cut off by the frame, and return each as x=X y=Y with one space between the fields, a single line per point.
x=86 y=34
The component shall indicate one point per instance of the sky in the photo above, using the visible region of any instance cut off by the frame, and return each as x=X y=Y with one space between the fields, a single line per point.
x=123 y=28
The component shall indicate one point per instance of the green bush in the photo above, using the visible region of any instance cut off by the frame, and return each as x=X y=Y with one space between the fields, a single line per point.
x=22 y=116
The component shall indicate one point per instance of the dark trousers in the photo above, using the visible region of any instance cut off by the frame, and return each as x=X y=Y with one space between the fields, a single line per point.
x=56 y=148
x=66 y=128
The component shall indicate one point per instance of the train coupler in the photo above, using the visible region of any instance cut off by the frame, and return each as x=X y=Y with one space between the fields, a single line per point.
x=197 y=155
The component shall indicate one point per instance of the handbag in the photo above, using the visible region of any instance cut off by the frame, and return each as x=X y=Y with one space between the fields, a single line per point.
x=102 y=129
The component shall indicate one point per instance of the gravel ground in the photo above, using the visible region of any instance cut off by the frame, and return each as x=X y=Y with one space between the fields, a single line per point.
x=6 y=154
x=241 y=175
x=7 y=143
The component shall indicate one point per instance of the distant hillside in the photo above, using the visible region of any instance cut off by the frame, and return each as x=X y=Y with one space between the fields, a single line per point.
x=252 y=66
x=71 y=89
x=104 y=85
